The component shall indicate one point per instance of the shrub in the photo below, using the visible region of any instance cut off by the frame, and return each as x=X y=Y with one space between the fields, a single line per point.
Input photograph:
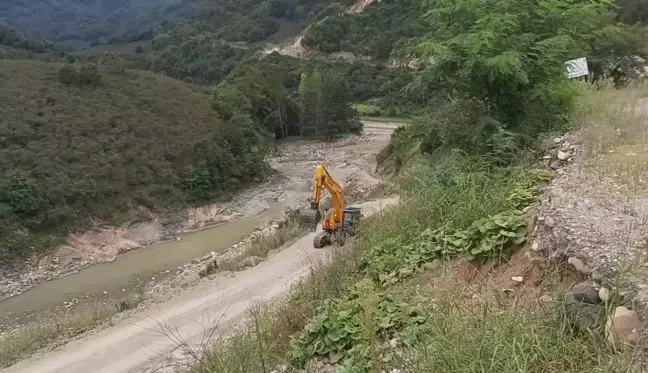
x=68 y=75
x=89 y=75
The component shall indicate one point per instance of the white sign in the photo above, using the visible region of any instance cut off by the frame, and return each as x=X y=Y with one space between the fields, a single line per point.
x=577 y=67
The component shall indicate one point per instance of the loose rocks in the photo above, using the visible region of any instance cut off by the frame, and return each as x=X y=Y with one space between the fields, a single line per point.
x=578 y=265
x=563 y=156
x=604 y=294
x=517 y=279
x=583 y=316
x=586 y=292
x=621 y=327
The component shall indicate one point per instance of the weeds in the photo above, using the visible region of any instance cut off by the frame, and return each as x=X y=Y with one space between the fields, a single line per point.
x=34 y=336
x=259 y=247
x=485 y=338
x=613 y=123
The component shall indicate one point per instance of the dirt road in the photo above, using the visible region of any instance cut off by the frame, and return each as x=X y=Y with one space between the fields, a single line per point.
x=140 y=343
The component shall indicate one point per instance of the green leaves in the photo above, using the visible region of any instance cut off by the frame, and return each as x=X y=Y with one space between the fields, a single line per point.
x=485 y=238
x=344 y=328
x=505 y=55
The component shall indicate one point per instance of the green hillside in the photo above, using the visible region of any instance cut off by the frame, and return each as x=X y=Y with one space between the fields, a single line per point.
x=372 y=32
x=105 y=145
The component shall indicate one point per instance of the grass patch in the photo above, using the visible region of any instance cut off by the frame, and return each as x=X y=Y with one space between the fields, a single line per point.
x=37 y=335
x=368 y=110
x=344 y=313
x=613 y=123
x=486 y=338
x=257 y=249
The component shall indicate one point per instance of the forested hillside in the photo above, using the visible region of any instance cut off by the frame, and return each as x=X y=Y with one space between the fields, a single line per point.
x=119 y=20
x=88 y=20
x=270 y=92
x=372 y=32
x=82 y=142
x=77 y=143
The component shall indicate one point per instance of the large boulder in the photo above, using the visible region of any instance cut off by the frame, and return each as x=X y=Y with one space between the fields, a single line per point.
x=583 y=316
x=586 y=292
x=621 y=327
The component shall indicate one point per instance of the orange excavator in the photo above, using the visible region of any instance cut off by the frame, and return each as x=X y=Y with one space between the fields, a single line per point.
x=338 y=220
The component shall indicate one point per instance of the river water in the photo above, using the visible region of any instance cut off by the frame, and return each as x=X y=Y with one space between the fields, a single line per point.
x=129 y=273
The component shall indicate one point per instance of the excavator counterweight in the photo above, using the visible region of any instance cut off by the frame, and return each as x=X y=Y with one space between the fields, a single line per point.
x=338 y=220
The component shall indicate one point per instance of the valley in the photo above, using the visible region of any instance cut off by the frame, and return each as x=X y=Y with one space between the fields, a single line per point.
x=153 y=156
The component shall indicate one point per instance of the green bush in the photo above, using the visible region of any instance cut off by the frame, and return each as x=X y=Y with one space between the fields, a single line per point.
x=89 y=75
x=344 y=329
x=86 y=75
x=68 y=75
x=508 y=57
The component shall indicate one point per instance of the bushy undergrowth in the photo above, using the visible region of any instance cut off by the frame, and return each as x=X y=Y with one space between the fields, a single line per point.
x=345 y=316
x=487 y=338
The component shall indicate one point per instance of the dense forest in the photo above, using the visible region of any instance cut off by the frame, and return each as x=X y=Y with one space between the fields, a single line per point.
x=372 y=32
x=271 y=87
x=383 y=23
x=88 y=20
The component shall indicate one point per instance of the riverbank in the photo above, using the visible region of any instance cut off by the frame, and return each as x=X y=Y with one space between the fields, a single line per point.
x=166 y=269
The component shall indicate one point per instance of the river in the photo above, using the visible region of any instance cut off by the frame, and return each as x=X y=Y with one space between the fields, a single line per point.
x=127 y=275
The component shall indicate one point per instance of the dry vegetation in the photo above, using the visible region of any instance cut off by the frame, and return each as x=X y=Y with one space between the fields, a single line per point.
x=615 y=131
x=52 y=331
x=257 y=249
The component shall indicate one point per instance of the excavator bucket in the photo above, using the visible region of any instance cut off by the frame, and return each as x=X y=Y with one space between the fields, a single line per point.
x=308 y=218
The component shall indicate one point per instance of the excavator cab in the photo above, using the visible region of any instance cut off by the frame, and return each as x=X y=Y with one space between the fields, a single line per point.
x=350 y=216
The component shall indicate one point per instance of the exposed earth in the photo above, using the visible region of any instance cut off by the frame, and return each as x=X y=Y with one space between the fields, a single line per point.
x=351 y=157
x=138 y=339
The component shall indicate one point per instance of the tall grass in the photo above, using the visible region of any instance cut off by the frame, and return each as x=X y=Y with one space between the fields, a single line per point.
x=37 y=335
x=263 y=342
x=613 y=124
x=486 y=338
x=458 y=189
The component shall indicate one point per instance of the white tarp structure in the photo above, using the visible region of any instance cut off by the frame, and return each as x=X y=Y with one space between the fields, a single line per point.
x=577 y=67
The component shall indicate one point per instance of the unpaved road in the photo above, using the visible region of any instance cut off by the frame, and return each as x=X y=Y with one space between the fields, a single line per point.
x=140 y=344
x=351 y=160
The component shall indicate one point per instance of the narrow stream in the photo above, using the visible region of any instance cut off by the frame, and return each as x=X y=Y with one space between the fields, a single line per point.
x=130 y=272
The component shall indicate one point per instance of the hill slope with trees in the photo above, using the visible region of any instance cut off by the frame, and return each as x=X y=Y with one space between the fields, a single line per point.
x=78 y=143
x=90 y=20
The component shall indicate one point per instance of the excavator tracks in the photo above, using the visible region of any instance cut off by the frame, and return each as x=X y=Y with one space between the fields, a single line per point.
x=322 y=239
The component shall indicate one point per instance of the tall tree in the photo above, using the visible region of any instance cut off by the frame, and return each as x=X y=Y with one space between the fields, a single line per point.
x=340 y=117
x=310 y=94
x=508 y=55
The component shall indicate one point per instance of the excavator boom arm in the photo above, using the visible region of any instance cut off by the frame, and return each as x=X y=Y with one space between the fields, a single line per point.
x=324 y=180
